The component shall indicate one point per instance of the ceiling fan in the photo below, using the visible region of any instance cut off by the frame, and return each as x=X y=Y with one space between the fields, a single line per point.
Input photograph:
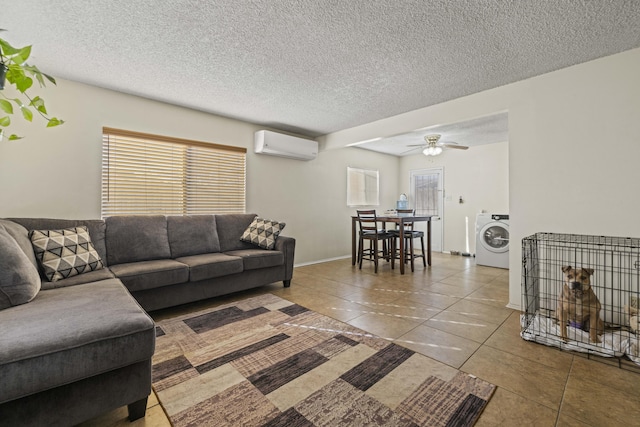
x=434 y=146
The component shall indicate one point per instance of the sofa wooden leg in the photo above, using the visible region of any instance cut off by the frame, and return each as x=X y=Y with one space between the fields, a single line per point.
x=286 y=283
x=137 y=409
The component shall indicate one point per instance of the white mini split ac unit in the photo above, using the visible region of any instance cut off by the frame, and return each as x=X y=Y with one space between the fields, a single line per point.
x=279 y=144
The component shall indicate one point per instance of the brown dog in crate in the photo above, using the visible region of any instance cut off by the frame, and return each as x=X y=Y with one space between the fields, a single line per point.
x=578 y=305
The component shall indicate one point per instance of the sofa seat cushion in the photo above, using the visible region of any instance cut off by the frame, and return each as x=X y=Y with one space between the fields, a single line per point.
x=254 y=259
x=142 y=275
x=80 y=279
x=207 y=266
x=71 y=333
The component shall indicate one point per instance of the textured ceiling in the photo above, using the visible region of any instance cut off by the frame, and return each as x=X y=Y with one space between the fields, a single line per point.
x=316 y=66
x=482 y=130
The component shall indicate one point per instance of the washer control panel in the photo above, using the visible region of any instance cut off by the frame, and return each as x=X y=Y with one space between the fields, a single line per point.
x=498 y=217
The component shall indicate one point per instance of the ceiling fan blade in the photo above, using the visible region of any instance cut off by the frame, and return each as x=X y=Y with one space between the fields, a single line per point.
x=417 y=145
x=456 y=146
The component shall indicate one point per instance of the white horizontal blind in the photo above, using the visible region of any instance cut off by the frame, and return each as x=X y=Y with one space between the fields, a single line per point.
x=151 y=174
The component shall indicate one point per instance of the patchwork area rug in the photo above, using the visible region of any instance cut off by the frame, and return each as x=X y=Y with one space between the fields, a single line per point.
x=265 y=361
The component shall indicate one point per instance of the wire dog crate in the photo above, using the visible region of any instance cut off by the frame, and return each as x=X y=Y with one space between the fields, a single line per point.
x=615 y=282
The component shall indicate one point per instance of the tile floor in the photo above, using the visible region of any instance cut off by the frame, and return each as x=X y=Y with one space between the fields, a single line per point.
x=453 y=312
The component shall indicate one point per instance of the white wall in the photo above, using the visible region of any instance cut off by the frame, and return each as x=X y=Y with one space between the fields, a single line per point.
x=574 y=145
x=480 y=175
x=56 y=172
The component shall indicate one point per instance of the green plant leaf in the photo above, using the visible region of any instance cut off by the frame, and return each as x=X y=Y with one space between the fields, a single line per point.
x=14 y=137
x=22 y=55
x=22 y=75
x=50 y=78
x=6 y=106
x=27 y=113
x=38 y=104
x=54 y=122
x=14 y=73
x=7 y=49
x=24 y=83
x=34 y=71
x=18 y=102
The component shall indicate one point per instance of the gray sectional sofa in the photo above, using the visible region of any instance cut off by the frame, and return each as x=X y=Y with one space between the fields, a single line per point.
x=83 y=345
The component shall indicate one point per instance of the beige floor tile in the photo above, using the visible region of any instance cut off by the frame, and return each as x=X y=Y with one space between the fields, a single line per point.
x=480 y=311
x=526 y=378
x=384 y=325
x=462 y=326
x=597 y=403
x=507 y=338
x=567 y=421
x=468 y=283
x=439 y=345
x=490 y=295
x=454 y=290
x=415 y=311
x=509 y=409
x=610 y=376
x=600 y=394
x=426 y=298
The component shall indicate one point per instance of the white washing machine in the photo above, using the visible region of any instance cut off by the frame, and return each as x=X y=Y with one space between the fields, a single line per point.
x=492 y=240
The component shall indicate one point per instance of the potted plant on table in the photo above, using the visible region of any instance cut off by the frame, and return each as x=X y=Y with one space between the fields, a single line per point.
x=15 y=71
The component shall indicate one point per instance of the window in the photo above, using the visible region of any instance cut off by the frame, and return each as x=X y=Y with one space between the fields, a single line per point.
x=362 y=187
x=150 y=174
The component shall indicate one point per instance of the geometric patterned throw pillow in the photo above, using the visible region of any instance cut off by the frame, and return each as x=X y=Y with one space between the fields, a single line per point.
x=263 y=232
x=65 y=253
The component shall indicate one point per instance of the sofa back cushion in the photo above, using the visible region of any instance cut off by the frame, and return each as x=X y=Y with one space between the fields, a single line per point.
x=19 y=278
x=192 y=235
x=21 y=236
x=96 y=229
x=230 y=228
x=136 y=238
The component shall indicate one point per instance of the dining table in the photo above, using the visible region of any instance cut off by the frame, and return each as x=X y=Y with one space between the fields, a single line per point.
x=401 y=220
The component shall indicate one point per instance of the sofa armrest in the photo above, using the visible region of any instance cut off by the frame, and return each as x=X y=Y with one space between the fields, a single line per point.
x=287 y=246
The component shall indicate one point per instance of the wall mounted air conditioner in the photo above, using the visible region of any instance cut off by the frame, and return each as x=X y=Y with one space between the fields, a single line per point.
x=278 y=144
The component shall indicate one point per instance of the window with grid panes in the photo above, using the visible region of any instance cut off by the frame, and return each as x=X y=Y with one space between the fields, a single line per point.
x=146 y=174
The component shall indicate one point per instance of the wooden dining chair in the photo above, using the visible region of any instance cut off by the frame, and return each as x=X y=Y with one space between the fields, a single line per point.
x=409 y=235
x=370 y=231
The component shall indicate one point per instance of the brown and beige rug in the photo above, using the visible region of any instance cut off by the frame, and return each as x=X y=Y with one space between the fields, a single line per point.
x=265 y=361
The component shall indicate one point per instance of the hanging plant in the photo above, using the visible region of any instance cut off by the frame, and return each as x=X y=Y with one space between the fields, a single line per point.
x=15 y=71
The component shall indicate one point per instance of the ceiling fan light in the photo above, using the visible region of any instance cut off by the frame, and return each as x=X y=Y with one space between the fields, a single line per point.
x=432 y=151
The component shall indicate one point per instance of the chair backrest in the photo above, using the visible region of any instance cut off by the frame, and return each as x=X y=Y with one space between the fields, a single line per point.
x=406 y=212
x=368 y=221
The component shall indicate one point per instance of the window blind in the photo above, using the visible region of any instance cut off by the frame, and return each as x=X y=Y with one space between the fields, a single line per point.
x=146 y=174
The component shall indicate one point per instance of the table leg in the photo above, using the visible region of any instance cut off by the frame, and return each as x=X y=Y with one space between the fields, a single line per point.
x=429 y=242
x=402 y=249
x=353 y=241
